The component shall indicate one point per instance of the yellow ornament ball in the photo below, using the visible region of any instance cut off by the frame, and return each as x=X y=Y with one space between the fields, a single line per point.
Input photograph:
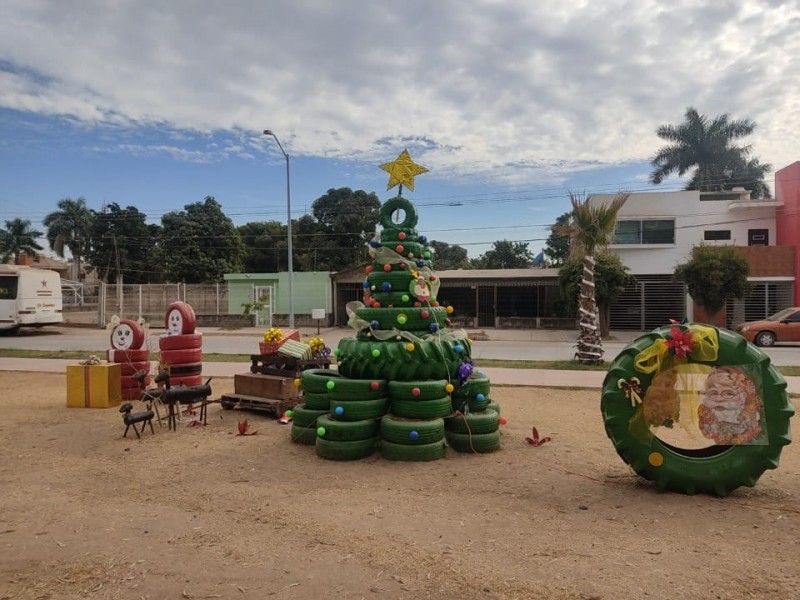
x=449 y=310
x=410 y=347
x=297 y=382
x=449 y=388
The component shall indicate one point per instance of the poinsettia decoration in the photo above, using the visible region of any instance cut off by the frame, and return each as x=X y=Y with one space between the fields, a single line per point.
x=680 y=341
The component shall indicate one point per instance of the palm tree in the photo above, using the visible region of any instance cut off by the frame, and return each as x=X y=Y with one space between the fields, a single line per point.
x=18 y=237
x=706 y=146
x=591 y=228
x=69 y=227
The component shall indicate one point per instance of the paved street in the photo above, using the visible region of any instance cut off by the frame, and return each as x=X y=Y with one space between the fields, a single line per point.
x=502 y=344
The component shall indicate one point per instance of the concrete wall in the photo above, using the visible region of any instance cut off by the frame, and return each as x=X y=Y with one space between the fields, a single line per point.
x=310 y=290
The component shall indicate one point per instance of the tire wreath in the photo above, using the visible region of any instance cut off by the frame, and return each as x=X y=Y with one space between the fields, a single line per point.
x=717 y=469
x=398 y=203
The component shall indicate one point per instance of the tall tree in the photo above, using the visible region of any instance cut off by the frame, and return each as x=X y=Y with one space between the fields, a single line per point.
x=592 y=228
x=18 y=238
x=200 y=244
x=265 y=247
x=713 y=274
x=557 y=246
x=69 y=227
x=122 y=243
x=506 y=255
x=447 y=257
x=610 y=278
x=348 y=219
x=705 y=147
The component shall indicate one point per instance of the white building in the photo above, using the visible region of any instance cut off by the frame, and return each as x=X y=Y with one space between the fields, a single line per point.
x=656 y=231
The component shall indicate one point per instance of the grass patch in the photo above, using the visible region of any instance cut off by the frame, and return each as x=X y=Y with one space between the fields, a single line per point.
x=561 y=365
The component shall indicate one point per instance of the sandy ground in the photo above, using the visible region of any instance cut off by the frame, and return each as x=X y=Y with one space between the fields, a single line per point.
x=204 y=513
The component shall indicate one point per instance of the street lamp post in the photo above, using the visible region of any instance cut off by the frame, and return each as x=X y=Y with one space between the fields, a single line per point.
x=288 y=227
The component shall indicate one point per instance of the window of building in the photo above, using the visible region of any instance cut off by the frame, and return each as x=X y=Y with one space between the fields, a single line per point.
x=716 y=234
x=645 y=231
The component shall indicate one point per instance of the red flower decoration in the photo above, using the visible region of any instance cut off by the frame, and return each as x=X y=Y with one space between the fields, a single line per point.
x=680 y=342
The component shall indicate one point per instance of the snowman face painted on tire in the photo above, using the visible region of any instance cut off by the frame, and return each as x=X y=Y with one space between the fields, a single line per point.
x=127 y=335
x=179 y=319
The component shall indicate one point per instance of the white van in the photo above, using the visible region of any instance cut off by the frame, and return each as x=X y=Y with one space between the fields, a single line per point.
x=29 y=297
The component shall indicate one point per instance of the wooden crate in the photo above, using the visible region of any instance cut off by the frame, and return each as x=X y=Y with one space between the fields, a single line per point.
x=265 y=386
x=273 y=406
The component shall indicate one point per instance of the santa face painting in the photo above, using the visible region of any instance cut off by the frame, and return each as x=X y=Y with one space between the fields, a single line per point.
x=122 y=337
x=731 y=408
x=174 y=322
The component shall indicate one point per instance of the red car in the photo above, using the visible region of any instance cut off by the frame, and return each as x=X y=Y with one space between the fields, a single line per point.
x=783 y=326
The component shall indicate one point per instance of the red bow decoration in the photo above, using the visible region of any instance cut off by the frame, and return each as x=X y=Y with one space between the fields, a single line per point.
x=535 y=440
x=680 y=341
x=244 y=426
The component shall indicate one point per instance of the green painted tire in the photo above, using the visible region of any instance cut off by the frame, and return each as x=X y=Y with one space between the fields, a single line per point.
x=398 y=279
x=316 y=380
x=345 y=388
x=398 y=203
x=493 y=405
x=420 y=453
x=717 y=469
x=411 y=432
x=303 y=435
x=394 y=299
x=478 y=383
x=427 y=390
x=416 y=318
x=316 y=401
x=351 y=450
x=421 y=409
x=347 y=431
x=474 y=422
x=480 y=443
x=428 y=360
x=358 y=410
x=302 y=416
x=393 y=235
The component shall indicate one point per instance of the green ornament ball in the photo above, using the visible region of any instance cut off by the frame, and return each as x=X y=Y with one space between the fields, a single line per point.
x=321 y=431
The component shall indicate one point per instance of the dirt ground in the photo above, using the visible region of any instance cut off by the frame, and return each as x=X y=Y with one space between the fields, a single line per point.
x=204 y=513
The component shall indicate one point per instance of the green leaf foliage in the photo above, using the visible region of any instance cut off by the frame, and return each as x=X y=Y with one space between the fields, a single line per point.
x=200 y=244
x=506 y=255
x=611 y=277
x=557 y=245
x=17 y=238
x=346 y=221
x=713 y=274
x=447 y=257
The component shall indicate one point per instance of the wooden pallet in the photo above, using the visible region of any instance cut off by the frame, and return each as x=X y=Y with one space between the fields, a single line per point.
x=274 y=406
x=284 y=366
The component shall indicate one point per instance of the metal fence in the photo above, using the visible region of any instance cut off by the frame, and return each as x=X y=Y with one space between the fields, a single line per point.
x=149 y=301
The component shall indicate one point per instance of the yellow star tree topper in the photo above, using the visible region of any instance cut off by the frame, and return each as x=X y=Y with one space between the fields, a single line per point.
x=402 y=171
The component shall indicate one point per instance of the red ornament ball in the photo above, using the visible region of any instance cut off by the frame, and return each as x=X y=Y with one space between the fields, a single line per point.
x=368 y=269
x=387 y=268
x=399 y=249
x=401 y=236
x=415 y=391
x=374 y=385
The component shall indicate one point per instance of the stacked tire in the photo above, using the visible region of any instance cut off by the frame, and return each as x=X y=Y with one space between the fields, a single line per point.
x=350 y=430
x=129 y=350
x=475 y=425
x=181 y=348
x=414 y=429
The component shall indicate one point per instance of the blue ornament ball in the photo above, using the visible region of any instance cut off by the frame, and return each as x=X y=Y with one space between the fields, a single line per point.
x=413 y=436
x=434 y=327
x=375 y=324
x=480 y=397
x=423 y=239
x=374 y=243
x=339 y=410
x=458 y=348
x=365 y=284
x=386 y=286
x=420 y=263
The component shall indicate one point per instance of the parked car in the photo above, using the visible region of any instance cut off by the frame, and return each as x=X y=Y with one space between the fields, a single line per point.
x=783 y=326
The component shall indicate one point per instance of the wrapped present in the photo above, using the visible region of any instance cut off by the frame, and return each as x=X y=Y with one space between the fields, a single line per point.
x=94 y=385
x=295 y=349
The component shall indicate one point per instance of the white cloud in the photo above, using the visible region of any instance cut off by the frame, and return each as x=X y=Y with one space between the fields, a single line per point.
x=514 y=91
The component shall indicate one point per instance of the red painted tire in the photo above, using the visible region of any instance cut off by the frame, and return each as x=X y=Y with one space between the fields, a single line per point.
x=183 y=341
x=127 y=335
x=180 y=318
x=129 y=369
x=180 y=357
x=188 y=381
x=129 y=382
x=185 y=369
x=128 y=356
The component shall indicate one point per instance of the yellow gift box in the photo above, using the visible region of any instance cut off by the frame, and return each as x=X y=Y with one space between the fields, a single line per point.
x=94 y=386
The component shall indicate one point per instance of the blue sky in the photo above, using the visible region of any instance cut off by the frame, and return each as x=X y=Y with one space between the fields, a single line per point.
x=509 y=105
